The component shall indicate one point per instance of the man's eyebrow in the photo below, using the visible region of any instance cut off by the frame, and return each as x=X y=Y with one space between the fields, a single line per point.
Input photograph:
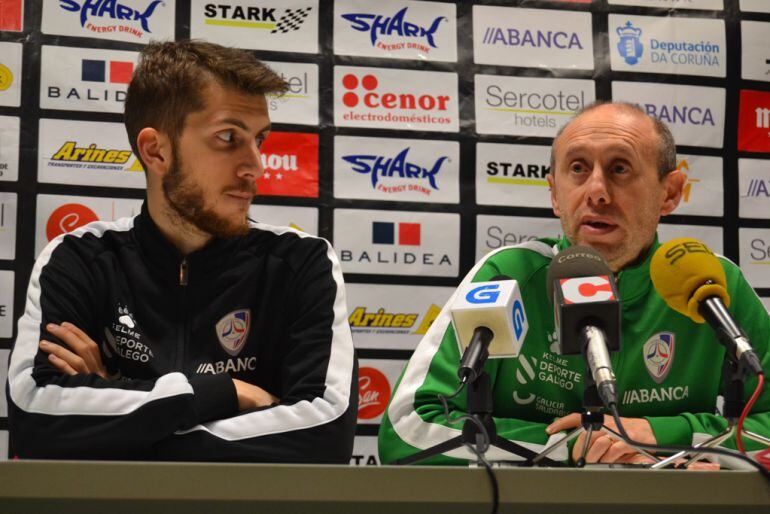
x=240 y=124
x=614 y=148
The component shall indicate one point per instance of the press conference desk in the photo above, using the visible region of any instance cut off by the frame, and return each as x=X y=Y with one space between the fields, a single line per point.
x=146 y=488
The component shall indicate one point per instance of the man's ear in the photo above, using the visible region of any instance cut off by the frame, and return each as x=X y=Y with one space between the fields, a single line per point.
x=155 y=149
x=552 y=187
x=674 y=186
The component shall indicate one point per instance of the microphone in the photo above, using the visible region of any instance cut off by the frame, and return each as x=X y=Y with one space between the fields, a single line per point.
x=587 y=313
x=489 y=321
x=691 y=280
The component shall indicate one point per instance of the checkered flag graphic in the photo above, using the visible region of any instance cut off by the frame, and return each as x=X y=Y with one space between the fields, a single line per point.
x=291 y=20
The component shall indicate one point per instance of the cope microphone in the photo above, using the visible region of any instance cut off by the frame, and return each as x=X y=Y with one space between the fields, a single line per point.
x=691 y=280
x=587 y=313
x=489 y=321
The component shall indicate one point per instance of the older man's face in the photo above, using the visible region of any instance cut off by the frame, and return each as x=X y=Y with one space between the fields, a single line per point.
x=605 y=186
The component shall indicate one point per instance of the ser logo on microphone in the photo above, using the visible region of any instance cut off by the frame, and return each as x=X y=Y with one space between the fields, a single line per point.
x=587 y=289
x=519 y=319
x=483 y=294
x=678 y=251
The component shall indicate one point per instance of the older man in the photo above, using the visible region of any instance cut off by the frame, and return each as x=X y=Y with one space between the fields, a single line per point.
x=187 y=332
x=612 y=177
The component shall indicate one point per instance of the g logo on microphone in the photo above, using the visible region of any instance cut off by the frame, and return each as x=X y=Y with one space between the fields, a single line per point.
x=519 y=319
x=587 y=289
x=483 y=294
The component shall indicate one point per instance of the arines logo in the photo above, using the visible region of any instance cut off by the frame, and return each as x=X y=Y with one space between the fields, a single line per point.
x=69 y=152
x=390 y=26
x=398 y=167
x=97 y=15
x=383 y=322
x=276 y=21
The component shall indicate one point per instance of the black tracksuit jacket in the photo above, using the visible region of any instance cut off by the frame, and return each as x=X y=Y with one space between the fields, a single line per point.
x=267 y=308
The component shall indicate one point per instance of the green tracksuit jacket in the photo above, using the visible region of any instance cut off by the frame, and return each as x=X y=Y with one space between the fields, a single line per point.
x=668 y=369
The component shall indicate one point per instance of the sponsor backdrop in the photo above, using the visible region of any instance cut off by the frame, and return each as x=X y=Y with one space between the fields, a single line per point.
x=415 y=134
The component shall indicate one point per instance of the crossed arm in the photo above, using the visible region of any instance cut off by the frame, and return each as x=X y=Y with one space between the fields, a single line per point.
x=81 y=356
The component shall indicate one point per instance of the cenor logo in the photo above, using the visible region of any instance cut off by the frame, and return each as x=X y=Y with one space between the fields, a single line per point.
x=369 y=97
x=67 y=218
x=373 y=393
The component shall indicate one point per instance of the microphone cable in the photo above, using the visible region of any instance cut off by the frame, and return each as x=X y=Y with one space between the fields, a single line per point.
x=482 y=441
x=689 y=449
x=746 y=410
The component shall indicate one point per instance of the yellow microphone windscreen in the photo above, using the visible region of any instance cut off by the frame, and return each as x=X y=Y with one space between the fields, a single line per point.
x=685 y=272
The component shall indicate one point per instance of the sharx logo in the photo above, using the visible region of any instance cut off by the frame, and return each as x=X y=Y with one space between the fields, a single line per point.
x=378 y=25
x=124 y=339
x=378 y=166
x=267 y=18
x=123 y=13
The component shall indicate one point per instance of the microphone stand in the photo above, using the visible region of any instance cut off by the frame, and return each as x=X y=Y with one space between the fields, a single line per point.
x=591 y=418
x=733 y=378
x=479 y=394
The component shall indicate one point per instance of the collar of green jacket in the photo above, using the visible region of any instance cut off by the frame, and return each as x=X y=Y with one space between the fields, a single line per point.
x=634 y=280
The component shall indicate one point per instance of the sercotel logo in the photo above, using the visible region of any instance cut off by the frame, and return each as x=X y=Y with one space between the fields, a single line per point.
x=380 y=166
x=378 y=25
x=387 y=100
x=110 y=9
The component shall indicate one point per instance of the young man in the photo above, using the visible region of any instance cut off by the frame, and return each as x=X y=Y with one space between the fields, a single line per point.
x=187 y=332
x=612 y=177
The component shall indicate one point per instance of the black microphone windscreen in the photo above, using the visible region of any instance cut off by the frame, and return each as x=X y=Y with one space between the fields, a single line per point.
x=576 y=261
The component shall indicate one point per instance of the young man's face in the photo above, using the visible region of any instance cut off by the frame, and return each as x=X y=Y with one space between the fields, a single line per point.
x=217 y=160
x=605 y=186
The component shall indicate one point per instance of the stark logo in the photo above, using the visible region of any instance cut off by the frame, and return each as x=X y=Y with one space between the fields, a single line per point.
x=233 y=329
x=659 y=355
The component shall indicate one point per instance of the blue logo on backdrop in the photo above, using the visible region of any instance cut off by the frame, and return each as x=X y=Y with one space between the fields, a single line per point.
x=758 y=188
x=531 y=38
x=483 y=294
x=379 y=166
x=681 y=114
x=519 y=318
x=378 y=25
x=111 y=9
x=629 y=46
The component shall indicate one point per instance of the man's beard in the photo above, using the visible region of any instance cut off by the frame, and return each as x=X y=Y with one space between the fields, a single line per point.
x=186 y=199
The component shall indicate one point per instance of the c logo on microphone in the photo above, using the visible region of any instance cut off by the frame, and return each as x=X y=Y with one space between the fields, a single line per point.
x=587 y=289
x=483 y=294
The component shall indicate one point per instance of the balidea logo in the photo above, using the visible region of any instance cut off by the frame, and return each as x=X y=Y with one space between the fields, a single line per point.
x=396 y=243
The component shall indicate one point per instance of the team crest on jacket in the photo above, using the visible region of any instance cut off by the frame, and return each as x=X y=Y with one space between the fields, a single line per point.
x=233 y=329
x=659 y=355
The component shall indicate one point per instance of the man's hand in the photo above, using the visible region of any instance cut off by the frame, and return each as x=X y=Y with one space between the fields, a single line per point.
x=82 y=356
x=251 y=396
x=603 y=447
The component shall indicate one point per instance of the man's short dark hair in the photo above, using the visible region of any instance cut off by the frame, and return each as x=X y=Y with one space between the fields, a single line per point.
x=666 y=145
x=170 y=78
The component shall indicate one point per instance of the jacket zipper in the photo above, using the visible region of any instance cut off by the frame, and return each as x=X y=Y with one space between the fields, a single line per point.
x=184 y=272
